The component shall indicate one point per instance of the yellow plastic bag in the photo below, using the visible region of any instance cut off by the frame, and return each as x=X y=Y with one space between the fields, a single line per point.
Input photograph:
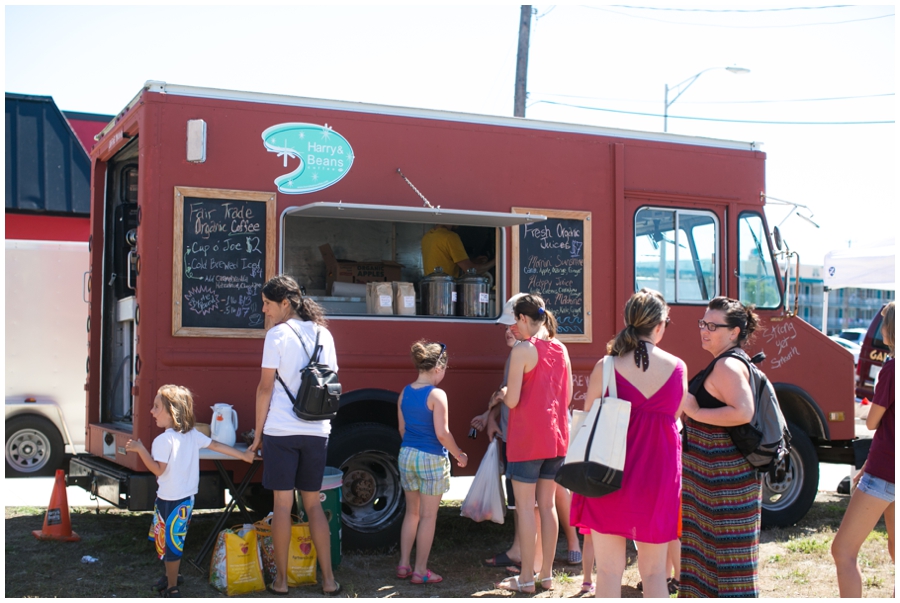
x=235 y=567
x=301 y=552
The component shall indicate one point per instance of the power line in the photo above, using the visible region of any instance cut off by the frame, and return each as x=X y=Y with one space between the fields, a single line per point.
x=746 y=102
x=739 y=26
x=734 y=121
x=733 y=10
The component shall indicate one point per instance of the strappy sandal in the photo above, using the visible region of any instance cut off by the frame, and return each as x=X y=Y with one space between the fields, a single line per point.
x=173 y=592
x=541 y=581
x=163 y=583
x=428 y=578
x=587 y=587
x=404 y=572
x=507 y=585
x=673 y=585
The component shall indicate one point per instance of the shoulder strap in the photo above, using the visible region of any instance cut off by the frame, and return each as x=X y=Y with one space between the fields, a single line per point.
x=311 y=359
x=609 y=378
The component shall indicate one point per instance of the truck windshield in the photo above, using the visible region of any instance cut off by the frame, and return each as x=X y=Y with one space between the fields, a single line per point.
x=675 y=253
x=757 y=275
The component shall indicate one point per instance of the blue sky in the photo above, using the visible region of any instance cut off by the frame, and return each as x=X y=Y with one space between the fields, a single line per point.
x=615 y=59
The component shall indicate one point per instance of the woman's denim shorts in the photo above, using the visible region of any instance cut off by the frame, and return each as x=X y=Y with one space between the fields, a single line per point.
x=877 y=487
x=530 y=471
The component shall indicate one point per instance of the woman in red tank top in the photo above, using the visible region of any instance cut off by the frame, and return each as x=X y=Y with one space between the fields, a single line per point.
x=538 y=394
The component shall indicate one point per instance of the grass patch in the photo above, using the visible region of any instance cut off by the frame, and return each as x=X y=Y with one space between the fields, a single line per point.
x=799 y=577
x=873 y=582
x=774 y=559
x=808 y=546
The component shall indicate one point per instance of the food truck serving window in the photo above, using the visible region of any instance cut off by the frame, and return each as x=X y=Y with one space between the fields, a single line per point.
x=675 y=253
x=366 y=260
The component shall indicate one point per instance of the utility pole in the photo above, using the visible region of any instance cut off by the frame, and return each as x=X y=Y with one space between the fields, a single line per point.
x=522 y=61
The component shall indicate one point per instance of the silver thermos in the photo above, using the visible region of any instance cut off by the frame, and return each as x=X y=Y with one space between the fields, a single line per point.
x=438 y=291
x=474 y=294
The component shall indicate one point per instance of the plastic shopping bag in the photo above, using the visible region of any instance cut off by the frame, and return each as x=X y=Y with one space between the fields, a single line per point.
x=235 y=567
x=485 y=498
x=301 y=552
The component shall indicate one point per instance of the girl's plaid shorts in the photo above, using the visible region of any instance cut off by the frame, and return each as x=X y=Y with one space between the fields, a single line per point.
x=422 y=472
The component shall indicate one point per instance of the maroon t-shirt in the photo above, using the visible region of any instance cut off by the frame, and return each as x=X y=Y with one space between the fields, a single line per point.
x=880 y=462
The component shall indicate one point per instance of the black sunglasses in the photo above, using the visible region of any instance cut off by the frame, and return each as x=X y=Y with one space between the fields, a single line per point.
x=711 y=326
x=443 y=349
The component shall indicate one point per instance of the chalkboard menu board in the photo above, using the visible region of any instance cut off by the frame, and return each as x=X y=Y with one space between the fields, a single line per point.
x=223 y=254
x=553 y=259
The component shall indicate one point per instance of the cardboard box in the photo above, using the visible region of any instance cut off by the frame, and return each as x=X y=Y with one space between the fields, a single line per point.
x=349 y=271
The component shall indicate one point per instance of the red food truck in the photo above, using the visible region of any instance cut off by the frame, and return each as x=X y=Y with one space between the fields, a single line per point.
x=199 y=195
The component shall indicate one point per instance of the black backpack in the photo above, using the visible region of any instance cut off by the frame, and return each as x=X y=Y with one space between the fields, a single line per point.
x=765 y=441
x=319 y=396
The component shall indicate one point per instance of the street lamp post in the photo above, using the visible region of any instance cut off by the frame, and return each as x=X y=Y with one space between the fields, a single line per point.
x=687 y=84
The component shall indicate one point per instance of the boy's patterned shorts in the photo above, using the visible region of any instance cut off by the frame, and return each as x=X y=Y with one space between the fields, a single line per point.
x=169 y=527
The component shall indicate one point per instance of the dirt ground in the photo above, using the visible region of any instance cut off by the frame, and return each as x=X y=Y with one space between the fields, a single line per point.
x=794 y=562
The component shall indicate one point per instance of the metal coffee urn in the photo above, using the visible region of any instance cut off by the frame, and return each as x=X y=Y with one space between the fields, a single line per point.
x=438 y=291
x=473 y=294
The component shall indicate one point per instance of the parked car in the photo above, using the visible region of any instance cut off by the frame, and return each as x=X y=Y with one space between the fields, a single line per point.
x=853 y=335
x=853 y=348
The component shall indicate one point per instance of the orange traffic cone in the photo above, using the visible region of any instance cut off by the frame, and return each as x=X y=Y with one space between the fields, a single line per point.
x=56 y=520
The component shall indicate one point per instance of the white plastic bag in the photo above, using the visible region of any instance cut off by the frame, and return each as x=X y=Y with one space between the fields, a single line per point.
x=485 y=498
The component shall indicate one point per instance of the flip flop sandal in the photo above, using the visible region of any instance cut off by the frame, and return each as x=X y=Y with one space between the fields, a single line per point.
x=173 y=592
x=404 y=572
x=429 y=578
x=335 y=592
x=163 y=583
x=587 y=587
x=500 y=560
x=507 y=585
x=280 y=593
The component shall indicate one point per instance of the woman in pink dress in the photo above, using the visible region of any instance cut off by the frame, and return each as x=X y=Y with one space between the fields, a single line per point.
x=645 y=509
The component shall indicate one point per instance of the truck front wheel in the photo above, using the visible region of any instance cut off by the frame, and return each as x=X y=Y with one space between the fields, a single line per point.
x=787 y=502
x=33 y=447
x=372 y=501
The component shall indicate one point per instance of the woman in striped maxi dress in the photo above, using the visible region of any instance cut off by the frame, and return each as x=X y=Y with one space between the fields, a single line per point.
x=721 y=491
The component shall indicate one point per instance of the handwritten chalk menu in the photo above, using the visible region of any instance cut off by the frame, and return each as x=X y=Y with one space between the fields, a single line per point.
x=223 y=254
x=553 y=259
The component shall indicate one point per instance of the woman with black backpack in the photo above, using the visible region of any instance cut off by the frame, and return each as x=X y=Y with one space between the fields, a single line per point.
x=721 y=491
x=294 y=449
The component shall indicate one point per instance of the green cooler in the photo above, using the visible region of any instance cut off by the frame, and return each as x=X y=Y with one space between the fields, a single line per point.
x=330 y=496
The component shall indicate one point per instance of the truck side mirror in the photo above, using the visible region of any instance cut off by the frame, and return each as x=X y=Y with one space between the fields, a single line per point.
x=776 y=235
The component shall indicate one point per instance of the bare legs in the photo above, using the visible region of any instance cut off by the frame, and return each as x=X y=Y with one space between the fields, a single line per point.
x=611 y=566
x=418 y=527
x=281 y=536
x=673 y=560
x=172 y=572
x=526 y=526
x=563 y=506
x=859 y=520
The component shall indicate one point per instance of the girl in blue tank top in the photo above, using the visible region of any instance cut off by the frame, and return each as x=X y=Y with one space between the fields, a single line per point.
x=424 y=466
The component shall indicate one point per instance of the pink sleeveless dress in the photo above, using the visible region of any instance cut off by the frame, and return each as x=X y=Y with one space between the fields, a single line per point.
x=646 y=507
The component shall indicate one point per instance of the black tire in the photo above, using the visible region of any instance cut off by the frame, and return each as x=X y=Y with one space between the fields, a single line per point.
x=372 y=501
x=786 y=503
x=34 y=447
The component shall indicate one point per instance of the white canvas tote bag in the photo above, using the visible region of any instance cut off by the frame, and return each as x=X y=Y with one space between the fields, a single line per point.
x=595 y=460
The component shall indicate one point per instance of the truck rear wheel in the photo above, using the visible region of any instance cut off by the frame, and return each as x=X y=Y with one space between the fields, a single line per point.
x=33 y=447
x=787 y=502
x=372 y=503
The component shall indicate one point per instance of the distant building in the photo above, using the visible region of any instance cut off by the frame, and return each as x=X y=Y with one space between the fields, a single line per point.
x=848 y=308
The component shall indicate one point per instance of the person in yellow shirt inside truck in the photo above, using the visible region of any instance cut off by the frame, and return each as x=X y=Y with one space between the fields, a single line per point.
x=441 y=246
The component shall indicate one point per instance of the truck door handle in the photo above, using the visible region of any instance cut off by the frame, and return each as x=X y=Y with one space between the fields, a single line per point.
x=131 y=259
